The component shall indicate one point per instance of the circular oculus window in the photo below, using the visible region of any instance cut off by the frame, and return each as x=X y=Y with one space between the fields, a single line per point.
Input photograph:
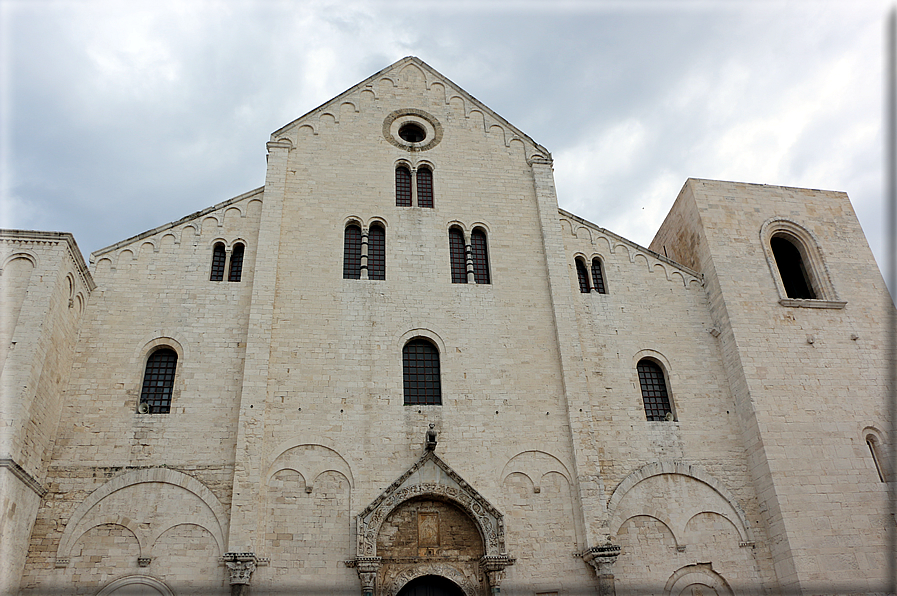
x=414 y=130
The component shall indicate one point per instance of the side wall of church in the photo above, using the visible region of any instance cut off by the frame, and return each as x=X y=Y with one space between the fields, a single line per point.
x=153 y=291
x=808 y=376
x=654 y=309
x=44 y=289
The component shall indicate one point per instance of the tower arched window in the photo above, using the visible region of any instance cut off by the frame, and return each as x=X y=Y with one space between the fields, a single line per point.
x=582 y=275
x=791 y=266
x=218 y=260
x=235 y=273
x=458 y=256
x=654 y=391
x=424 y=187
x=598 y=276
x=352 y=252
x=479 y=253
x=403 y=187
x=158 y=381
x=377 y=252
x=420 y=373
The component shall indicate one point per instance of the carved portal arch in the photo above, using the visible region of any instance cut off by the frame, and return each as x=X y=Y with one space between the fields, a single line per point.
x=432 y=477
x=440 y=569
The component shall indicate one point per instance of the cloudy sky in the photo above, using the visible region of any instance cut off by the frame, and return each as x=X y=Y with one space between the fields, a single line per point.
x=118 y=117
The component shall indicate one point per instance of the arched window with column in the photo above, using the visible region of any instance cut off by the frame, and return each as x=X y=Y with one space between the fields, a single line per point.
x=655 y=395
x=219 y=257
x=376 y=252
x=582 y=275
x=352 y=252
x=457 y=253
x=479 y=253
x=158 y=381
x=403 y=187
x=424 y=187
x=598 y=276
x=420 y=373
x=235 y=272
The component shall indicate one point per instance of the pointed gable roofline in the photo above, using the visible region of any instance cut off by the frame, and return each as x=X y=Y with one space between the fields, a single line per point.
x=431 y=76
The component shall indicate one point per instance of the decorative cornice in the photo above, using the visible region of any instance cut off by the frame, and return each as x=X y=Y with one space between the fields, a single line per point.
x=26 y=478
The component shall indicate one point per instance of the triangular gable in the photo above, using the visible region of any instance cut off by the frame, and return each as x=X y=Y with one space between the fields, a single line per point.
x=432 y=477
x=431 y=76
x=573 y=223
x=192 y=217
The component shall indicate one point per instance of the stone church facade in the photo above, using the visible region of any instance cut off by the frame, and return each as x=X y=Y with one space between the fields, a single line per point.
x=399 y=368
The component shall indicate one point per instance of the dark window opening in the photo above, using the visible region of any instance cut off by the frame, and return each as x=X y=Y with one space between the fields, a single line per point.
x=583 y=276
x=420 y=371
x=598 y=276
x=403 y=187
x=377 y=253
x=791 y=269
x=424 y=188
x=458 y=257
x=218 y=259
x=158 y=381
x=654 y=391
x=352 y=253
x=873 y=449
x=412 y=133
x=480 y=256
x=236 y=263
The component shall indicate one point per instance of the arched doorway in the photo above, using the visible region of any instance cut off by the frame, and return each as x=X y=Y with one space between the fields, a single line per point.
x=431 y=585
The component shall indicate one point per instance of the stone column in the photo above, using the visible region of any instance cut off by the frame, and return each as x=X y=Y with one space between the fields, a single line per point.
x=364 y=253
x=602 y=558
x=494 y=568
x=468 y=260
x=240 y=567
x=367 y=572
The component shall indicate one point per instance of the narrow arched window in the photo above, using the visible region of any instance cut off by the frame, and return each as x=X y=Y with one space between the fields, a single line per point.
x=236 y=263
x=420 y=372
x=424 y=187
x=654 y=391
x=792 y=268
x=872 y=443
x=598 y=276
x=352 y=253
x=158 y=381
x=218 y=259
x=403 y=187
x=583 y=276
x=377 y=252
x=458 y=256
x=480 y=256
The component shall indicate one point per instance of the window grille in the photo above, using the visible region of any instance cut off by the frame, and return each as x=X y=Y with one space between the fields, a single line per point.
x=158 y=381
x=424 y=188
x=352 y=253
x=236 y=263
x=420 y=369
x=654 y=390
x=598 y=276
x=791 y=268
x=458 y=256
x=218 y=258
x=377 y=253
x=403 y=187
x=480 y=256
x=583 y=276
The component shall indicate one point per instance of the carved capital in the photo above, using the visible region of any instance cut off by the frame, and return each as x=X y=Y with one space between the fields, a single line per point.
x=367 y=568
x=240 y=566
x=602 y=557
x=494 y=567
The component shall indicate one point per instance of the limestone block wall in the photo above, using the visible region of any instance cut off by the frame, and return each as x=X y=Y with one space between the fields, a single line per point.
x=807 y=375
x=656 y=309
x=44 y=289
x=335 y=354
x=152 y=291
